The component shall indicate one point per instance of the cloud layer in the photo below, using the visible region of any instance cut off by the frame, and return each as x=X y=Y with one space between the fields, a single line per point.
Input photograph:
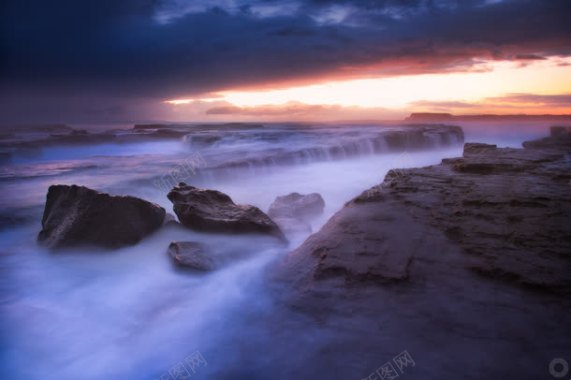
x=151 y=49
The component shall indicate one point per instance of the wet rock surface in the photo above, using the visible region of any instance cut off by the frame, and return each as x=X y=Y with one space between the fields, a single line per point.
x=466 y=264
x=508 y=209
x=76 y=215
x=214 y=211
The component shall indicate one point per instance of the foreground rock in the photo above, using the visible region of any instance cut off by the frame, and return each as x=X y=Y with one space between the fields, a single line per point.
x=213 y=211
x=191 y=255
x=76 y=215
x=465 y=264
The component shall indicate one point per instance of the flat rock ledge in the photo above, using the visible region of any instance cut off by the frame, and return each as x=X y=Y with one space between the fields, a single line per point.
x=508 y=211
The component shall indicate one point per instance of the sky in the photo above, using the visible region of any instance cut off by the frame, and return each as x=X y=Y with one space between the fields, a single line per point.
x=106 y=61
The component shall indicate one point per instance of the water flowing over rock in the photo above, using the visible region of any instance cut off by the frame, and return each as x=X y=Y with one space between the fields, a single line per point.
x=213 y=211
x=325 y=144
x=76 y=215
x=191 y=255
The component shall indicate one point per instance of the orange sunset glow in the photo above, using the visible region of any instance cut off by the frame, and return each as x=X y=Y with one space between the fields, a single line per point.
x=489 y=89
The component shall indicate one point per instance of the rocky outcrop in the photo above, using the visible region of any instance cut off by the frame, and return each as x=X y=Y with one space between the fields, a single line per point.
x=294 y=211
x=213 y=211
x=191 y=255
x=560 y=139
x=467 y=259
x=298 y=206
x=76 y=215
x=506 y=209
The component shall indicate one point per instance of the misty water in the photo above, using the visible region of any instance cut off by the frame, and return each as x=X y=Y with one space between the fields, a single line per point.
x=128 y=313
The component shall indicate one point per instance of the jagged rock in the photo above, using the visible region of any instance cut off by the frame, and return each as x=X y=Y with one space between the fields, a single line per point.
x=298 y=206
x=191 y=255
x=213 y=211
x=76 y=215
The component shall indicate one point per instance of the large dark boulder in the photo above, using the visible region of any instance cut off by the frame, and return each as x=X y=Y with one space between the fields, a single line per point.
x=76 y=215
x=213 y=211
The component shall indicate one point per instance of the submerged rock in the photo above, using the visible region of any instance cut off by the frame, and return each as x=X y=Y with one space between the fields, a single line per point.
x=213 y=211
x=298 y=206
x=76 y=215
x=191 y=255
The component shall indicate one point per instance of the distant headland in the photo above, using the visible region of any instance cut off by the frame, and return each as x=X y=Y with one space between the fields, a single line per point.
x=448 y=117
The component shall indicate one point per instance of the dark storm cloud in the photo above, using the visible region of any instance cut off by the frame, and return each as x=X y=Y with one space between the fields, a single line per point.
x=163 y=49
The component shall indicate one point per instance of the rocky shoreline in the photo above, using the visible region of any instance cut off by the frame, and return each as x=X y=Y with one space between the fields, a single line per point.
x=466 y=262
x=508 y=209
